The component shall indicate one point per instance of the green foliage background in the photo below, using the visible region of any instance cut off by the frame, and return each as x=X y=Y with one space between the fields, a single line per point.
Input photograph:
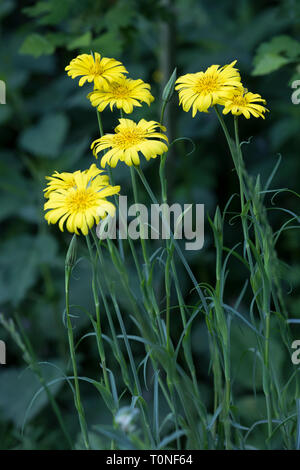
x=47 y=124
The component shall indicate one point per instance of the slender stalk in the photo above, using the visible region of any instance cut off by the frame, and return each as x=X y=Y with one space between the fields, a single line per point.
x=162 y=112
x=180 y=254
x=266 y=296
x=142 y=233
x=137 y=386
x=227 y=136
x=169 y=263
x=218 y=379
x=118 y=354
x=267 y=368
x=235 y=151
x=222 y=328
x=239 y=165
x=150 y=303
x=169 y=364
x=227 y=397
x=97 y=310
x=100 y=123
x=171 y=267
x=150 y=294
x=77 y=399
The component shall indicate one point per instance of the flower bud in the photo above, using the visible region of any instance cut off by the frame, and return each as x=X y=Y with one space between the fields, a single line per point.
x=71 y=253
x=218 y=221
x=169 y=88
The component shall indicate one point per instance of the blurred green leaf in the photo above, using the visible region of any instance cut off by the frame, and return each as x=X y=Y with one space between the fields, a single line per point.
x=269 y=63
x=36 y=45
x=57 y=39
x=46 y=138
x=272 y=55
x=108 y=44
x=282 y=131
x=121 y=14
x=20 y=258
x=37 y=9
x=50 y=11
x=81 y=41
x=18 y=388
x=281 y=45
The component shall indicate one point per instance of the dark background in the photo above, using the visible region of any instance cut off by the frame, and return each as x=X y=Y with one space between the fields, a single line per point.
x=48 y=124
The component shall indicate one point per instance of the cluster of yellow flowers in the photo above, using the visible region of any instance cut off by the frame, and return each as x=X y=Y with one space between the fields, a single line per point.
x=79 y=199
x=219 y=85
x=112 y=88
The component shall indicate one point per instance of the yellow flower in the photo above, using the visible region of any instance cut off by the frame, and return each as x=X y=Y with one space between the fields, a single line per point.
x=204 y=89
x=129 y=139
x=67 y=180
x=244 y=102
x=124 y=93
x=82 y=205
x=94 y=69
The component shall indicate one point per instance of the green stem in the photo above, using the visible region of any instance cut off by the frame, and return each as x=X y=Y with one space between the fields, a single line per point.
x=240 y=169
x=118 y=353
x=227 y=136
x=180 y=254
x=100 y=123
x=170 y=263
x=77 y=398
x=170 y=249
x=236 y=155
x=266 y=365
x=162 y=113
x=149 y=290
x=97 y=310
x=132 y=248
x=133 y=368
x=266 y=307
x=163 y=183
x=143 y=244
x=227 y=399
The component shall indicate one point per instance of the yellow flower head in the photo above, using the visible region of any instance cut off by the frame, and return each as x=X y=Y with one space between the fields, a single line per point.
x=92 y=68
x=204 y=89
x=82 y=205
x=244 y=102
x=129 y=139
x=67 y=180
x=124 y=93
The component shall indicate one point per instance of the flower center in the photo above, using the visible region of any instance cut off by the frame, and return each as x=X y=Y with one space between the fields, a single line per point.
x=119 y=90
x=81 y=200
x=206 y=84
x=239 y=100
x=97 y=68
x=128 y=138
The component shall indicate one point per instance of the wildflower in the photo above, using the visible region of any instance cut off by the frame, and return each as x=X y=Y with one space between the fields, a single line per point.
x=67 y=180
x=129 y=139
x=244 y=102
x=93 y=68
x=204 y=89
x=81 y=205
x=124 y=93
x=125 y=417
